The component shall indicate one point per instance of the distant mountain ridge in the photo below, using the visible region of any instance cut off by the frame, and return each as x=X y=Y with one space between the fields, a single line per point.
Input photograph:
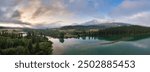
x=96 y=26
x=10 y=27
x=93 y=24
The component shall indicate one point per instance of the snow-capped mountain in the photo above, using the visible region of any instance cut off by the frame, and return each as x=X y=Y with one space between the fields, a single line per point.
x=104 y=24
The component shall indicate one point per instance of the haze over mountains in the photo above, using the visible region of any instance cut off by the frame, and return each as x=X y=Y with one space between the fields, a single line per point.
x=92 y=23
x=57 y=13
x=105 y=23
x=95 y=24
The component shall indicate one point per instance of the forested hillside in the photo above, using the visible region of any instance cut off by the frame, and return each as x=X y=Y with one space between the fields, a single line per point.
x=83 y=31
x=15 y=43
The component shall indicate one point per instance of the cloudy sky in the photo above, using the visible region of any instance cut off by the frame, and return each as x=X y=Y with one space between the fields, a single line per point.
x=53 y=13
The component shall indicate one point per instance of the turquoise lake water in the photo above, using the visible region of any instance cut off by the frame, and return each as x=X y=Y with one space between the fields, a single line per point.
x=92 y=46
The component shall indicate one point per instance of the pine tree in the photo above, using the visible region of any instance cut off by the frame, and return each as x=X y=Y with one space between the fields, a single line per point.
x=30 y=47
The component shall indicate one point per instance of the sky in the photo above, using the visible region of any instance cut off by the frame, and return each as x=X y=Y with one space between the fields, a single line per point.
x=54 y=13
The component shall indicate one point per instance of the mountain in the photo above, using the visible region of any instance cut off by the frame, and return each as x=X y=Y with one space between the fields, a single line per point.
x=6 y=27
x=92 y=22
x=10 y=28
x=102 y=23
x=1 y=27
x=95 y=24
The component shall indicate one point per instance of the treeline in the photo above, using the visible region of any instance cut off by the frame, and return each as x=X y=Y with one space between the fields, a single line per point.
x=108 y=33
x=15 y=43
x=132 y=32
x=126 y=30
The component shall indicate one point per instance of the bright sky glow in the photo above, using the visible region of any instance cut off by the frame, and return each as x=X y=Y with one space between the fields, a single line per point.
x=28 y=13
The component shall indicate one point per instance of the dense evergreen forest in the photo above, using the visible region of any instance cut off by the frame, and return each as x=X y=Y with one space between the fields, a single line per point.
x=16 y=43
x=35 y=42
x=114 y=33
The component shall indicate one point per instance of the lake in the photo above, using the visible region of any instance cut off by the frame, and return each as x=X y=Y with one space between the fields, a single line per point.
x=94 y=46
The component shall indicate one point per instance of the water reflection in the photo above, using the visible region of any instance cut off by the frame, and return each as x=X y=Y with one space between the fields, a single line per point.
x=102 y=46
x=61 y=40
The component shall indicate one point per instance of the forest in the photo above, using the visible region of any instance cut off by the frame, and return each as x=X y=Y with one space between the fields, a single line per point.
x=114 y=33
x=35 y=41
x=15 y=43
